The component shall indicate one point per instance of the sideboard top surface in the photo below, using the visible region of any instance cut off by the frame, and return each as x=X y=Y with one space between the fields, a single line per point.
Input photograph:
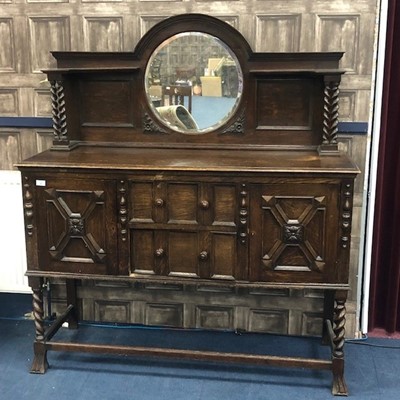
x=208 y=160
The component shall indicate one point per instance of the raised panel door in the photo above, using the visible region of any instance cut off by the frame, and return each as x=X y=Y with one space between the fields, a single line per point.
x=294 y=231
x=77 y=225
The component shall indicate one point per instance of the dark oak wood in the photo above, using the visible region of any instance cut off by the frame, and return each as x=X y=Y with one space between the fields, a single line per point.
x=263 y=201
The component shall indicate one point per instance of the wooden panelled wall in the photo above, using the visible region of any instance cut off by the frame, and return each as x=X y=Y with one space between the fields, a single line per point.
x=29 y=29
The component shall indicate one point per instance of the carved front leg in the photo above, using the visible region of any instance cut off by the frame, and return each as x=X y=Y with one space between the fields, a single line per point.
x=40 y=364
x=339 y=387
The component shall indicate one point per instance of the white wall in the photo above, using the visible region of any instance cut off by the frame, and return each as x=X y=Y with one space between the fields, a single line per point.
x=12 y=236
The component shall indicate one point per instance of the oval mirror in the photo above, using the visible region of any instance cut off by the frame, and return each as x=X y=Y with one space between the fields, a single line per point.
x=193 y=82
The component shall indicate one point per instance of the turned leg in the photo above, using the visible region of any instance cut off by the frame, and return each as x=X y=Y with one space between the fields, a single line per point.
x=40 y=364
x=339 y=387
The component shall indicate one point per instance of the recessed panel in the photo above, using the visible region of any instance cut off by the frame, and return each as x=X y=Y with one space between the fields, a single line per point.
x=142 y=251
x=284 y=104
x=10 y=149
x=272 y=321
x=7 y=57
x=8 y=102
x=75 y=250
x=224 y=205
x=183 y=254
x=223 y=255
x=106 y=103
x=164 y=314
x=347 y=105
x=292 y=258
x=42 y=103
x=339 y=33
x=214 y=317
x=47 y=34
x=311 y=324
x=141 y=202
x=103 y=33
x=44 y=139
x=112 y=311
x=182 y=203
x=282 y=31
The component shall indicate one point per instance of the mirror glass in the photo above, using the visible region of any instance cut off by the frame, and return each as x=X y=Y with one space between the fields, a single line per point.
x=193 y=82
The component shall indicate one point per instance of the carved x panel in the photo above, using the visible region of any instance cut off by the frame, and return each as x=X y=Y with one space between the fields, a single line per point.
x=293 y=234
x=71 y=225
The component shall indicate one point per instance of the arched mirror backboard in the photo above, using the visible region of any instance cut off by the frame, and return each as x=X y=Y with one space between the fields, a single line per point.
x=193 y=82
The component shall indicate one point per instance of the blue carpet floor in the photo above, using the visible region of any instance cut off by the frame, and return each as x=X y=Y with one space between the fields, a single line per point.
x=372 y=365
x=208 y=111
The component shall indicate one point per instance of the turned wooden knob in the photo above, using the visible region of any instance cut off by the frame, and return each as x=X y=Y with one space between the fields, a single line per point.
x=204 y=204
x=159 y=252
x=203 y=256
x=159 y=202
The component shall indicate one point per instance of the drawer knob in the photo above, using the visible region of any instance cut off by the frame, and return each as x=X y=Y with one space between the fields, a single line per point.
x=159 y=202
x=159 y=252
x=204 y=204
x=203 y=256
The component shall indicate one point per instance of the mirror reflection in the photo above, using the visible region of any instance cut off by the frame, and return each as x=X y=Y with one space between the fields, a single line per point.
x=193 y=82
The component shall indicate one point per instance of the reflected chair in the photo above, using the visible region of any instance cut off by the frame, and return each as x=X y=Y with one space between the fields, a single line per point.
x=175 y=95
x=185 y=74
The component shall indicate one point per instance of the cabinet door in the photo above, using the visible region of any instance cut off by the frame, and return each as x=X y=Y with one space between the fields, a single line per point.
x=77 y=226
x=294 y=232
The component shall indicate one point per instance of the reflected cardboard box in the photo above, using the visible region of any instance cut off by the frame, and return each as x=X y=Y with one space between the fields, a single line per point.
x=211 y=86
